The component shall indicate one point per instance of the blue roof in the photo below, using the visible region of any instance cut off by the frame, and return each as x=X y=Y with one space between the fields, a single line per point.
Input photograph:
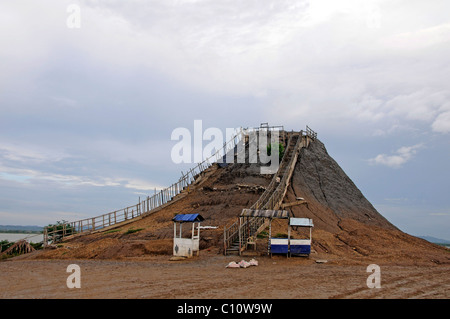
x=183 y=218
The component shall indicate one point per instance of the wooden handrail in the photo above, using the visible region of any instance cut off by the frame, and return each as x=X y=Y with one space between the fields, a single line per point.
x=273 y=195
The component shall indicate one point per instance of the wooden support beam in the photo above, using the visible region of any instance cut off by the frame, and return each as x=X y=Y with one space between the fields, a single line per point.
x=298 y=202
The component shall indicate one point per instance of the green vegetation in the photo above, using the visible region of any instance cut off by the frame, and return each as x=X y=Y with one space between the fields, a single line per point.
x=265 y=234
x=5 y=244
x=131 y=230
x=56 y=231
x=112 y=231
x=262 y=234
x=37 y=246
x=276 y=146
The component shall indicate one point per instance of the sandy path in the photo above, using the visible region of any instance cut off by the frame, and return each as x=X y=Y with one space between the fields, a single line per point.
x=206 y=277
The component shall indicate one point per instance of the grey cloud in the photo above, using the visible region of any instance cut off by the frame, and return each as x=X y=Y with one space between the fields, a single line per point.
x=97 y=105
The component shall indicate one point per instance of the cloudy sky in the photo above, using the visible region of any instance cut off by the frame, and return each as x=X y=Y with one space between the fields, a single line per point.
x=90 y=92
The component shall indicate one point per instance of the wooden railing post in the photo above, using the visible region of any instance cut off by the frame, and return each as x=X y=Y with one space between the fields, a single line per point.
x=225 y=240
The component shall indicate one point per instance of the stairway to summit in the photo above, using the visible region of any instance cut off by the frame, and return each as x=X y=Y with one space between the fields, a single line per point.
x=236 y=235
x=291 y=148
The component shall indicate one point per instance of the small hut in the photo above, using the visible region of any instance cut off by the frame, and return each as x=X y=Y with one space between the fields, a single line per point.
x=186 y=247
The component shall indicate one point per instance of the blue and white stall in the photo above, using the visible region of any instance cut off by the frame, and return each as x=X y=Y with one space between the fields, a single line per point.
x=186 y=247
x=291 y=246
x=288 y=246
x=279 y=246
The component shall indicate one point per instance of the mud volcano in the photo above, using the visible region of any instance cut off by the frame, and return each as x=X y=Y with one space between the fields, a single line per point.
x=347 y=228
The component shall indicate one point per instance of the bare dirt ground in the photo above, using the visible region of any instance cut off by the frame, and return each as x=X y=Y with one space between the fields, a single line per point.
x=206 y=277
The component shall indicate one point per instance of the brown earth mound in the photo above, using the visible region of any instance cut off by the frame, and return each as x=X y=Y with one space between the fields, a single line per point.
x=346 y=226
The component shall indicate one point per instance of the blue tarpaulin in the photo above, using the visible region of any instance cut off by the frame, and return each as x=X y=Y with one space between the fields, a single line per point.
x=188 y=218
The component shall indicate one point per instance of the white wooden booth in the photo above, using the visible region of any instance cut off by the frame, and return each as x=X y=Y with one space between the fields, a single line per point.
x=186 y=247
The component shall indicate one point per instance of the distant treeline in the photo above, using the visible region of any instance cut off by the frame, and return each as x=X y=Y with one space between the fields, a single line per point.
x=434 y=240
x=21 y=229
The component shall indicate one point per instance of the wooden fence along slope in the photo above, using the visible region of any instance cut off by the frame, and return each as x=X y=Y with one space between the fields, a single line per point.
x=146 y=206
x=150 y=204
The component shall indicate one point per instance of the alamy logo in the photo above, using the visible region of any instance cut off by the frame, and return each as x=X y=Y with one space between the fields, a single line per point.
x=74 y=19
x=262 y=146
x=374 y=280
x=74 y=279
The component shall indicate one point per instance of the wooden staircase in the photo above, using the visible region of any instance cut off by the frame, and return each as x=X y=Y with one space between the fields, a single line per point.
x=236 y=235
